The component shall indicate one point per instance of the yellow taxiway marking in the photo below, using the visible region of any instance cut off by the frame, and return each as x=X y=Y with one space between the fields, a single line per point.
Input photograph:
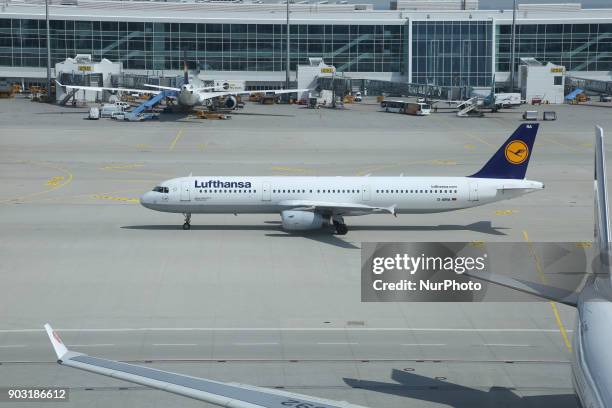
x=481 y=140
x=54 y=183
x=122 y=166
x=176 y=139
x=291 y=169
x=142 y=146
x=567 y=146
x=553 y=305
x=124 y=199
x=505 y=212
x=202 y=147
x=442 y=162
x=469 y=146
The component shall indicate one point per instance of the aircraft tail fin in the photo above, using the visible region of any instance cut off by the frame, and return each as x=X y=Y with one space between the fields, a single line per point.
x=511 y=159
x=185 y=69
x=602 y=223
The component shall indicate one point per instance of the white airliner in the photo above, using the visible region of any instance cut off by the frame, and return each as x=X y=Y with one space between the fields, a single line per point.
x=307 y=203
x=192 y=93
x=591 y=357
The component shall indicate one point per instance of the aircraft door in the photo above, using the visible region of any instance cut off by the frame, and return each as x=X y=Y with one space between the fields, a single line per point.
x=365 y=193
x=473 y=191
x=265 y=192
x=185 y=191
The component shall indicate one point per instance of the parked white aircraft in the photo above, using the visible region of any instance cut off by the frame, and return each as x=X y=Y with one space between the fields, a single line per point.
x=307 y=203
x=192 y=93
x=591 y=359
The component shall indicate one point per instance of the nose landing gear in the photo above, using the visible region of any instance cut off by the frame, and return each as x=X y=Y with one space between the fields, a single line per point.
x=187 y=224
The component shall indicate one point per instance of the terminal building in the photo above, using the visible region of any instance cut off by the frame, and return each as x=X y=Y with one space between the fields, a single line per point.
x=443 y=42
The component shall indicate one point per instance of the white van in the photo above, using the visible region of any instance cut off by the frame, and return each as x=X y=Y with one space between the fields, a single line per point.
x=94 y=113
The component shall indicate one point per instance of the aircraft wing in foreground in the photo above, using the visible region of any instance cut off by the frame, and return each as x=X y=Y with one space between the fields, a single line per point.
x=229 y=395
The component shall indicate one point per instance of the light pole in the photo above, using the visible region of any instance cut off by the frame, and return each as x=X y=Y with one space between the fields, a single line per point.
x=287 y=51
x=512 y=51
x=48 y=52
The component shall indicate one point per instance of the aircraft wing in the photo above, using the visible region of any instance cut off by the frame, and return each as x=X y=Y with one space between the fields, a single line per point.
x=211 y=95
x=335 y=208
x=532 y=288
x=229 y=395
x=100 y=89
x=165 y=88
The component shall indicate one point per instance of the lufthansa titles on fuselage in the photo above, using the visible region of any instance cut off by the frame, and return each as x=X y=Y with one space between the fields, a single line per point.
x=222 y=184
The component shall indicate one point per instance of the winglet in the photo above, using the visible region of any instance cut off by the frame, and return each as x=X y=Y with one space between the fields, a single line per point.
x=57 y=343
x=603 y=235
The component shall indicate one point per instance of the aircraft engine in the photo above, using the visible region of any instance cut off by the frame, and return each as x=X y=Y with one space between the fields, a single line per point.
x=301 y=220
x=230 y=102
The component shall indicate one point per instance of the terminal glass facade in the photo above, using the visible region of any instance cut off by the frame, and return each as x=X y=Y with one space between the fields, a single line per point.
x=228 y=47
x=452 y=53
x=578 y=47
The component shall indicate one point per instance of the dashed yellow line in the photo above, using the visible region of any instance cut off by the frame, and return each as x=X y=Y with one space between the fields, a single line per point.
x=176 y=139
x=124 y=199
x=505 y=212
x=122 y=166
x=53 y=184
x=442 y=162
x=481 y=140
x=553 y=305
x=291 y=169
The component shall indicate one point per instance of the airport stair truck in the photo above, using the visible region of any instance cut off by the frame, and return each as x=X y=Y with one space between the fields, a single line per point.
x=469 y=107
x=68 y=96
x=135 y=114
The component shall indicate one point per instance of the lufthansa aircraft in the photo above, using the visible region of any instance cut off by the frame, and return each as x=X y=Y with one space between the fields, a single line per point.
x=308 y=203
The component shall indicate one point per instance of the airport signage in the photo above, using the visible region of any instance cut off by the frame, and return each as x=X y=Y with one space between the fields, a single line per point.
x=85 y=68
x=328 y=70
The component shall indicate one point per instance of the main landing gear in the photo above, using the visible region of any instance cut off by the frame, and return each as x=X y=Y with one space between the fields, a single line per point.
x=339 y=226
x=187 y=224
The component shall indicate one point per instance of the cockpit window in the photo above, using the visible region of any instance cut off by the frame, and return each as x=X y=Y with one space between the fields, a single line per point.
x=161 y=189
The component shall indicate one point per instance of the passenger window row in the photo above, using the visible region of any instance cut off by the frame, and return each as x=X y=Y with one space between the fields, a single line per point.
x=229 y=191
x=418 y=191
x=279 y=191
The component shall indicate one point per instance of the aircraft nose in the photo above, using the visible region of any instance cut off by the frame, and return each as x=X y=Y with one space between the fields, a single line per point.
x=146 y=199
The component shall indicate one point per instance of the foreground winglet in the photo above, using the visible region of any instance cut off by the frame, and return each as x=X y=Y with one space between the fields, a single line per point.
x=226 y=395
x=57 y=343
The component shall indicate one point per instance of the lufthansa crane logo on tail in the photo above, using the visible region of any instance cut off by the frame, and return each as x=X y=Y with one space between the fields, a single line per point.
x=516 y=152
